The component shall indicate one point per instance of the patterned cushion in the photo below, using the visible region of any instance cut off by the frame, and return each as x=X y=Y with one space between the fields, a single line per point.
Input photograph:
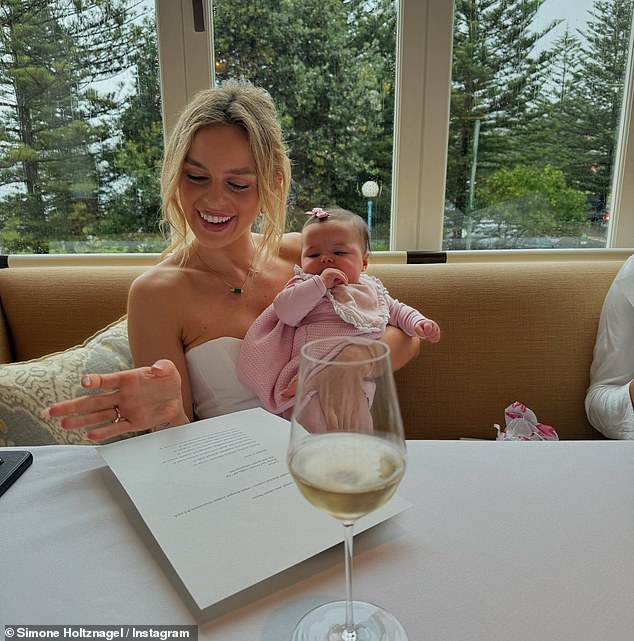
x=28 y=387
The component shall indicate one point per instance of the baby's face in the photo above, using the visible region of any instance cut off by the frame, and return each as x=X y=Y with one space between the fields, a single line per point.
x=333 y=243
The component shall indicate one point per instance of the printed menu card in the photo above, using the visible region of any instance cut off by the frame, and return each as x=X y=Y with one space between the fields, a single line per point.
x=217 y=497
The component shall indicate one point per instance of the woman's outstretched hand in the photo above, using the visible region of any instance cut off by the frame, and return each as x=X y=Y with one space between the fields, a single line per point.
x=131 y=401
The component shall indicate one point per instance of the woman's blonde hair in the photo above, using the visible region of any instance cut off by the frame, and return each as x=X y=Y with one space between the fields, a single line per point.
x=251 y=108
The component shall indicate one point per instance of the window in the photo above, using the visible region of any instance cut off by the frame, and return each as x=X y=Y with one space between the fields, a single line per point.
x=80 y=126
x=479 y=123
x=534 y=118
x=330 y=68
x=557 y=156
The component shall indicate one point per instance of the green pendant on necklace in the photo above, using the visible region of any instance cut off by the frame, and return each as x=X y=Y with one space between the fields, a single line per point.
x=232 y=290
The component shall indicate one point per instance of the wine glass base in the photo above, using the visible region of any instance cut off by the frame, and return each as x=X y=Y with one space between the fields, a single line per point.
x=372 y=623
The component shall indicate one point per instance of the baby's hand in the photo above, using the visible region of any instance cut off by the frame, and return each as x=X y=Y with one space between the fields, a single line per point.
x=332 y=277
x=290 y=391
x=429 y=330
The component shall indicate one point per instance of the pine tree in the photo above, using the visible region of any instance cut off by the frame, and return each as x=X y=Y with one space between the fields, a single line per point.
x=52 y=55
x=329 y=67
x=496 y=80
x=572 y=124
x=599 y=84
x=133 y=190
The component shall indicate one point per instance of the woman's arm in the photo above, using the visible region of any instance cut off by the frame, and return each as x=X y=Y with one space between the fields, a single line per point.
x=291 y=248
x=155 y=325
x=147 y=397
x=403 y=347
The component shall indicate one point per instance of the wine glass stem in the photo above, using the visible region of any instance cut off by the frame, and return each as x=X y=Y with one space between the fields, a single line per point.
x=348 y=539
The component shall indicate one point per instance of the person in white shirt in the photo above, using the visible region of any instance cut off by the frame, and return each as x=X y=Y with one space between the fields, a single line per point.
x=610 y=396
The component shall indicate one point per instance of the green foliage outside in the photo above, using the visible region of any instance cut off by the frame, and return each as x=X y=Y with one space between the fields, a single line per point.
x=330 y=67
x=526 y=201
x=78 y=163
x=520 y=110
x=532 y=133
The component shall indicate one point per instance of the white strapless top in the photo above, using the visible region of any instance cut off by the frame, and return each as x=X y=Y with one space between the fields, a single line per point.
x=213 y=377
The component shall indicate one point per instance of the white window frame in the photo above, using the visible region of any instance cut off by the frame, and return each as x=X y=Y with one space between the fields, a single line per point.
x=421 y=127
x=186 y=56
x=423 y=90
x=621 y=229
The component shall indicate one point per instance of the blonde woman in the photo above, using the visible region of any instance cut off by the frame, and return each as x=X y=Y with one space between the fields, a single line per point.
x=225 y=166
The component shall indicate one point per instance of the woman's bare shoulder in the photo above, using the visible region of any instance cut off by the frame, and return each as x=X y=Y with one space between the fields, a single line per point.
x=159 y=281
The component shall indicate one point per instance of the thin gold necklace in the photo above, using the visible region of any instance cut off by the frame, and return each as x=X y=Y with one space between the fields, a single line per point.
x=232 y=288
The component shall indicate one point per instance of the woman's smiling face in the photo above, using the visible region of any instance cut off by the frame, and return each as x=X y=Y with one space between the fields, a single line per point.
x=218 y=186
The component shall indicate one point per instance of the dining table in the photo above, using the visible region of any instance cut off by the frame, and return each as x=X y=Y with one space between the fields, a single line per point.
x=504 y=541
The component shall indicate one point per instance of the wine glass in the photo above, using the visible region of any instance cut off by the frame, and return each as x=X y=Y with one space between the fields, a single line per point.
x=347 y=456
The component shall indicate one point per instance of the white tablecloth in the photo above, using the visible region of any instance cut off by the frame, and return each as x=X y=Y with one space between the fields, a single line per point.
x=505 y=542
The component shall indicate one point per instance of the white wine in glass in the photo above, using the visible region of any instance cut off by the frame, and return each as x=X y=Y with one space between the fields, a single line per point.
x=347 y=456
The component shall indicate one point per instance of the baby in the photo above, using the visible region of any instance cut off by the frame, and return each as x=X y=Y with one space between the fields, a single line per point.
x=329 y=296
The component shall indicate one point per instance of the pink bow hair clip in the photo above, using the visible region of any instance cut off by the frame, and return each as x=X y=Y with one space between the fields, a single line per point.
x=318 y=212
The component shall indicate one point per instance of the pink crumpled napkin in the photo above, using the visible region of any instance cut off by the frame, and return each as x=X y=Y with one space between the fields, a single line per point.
x=522 y=425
